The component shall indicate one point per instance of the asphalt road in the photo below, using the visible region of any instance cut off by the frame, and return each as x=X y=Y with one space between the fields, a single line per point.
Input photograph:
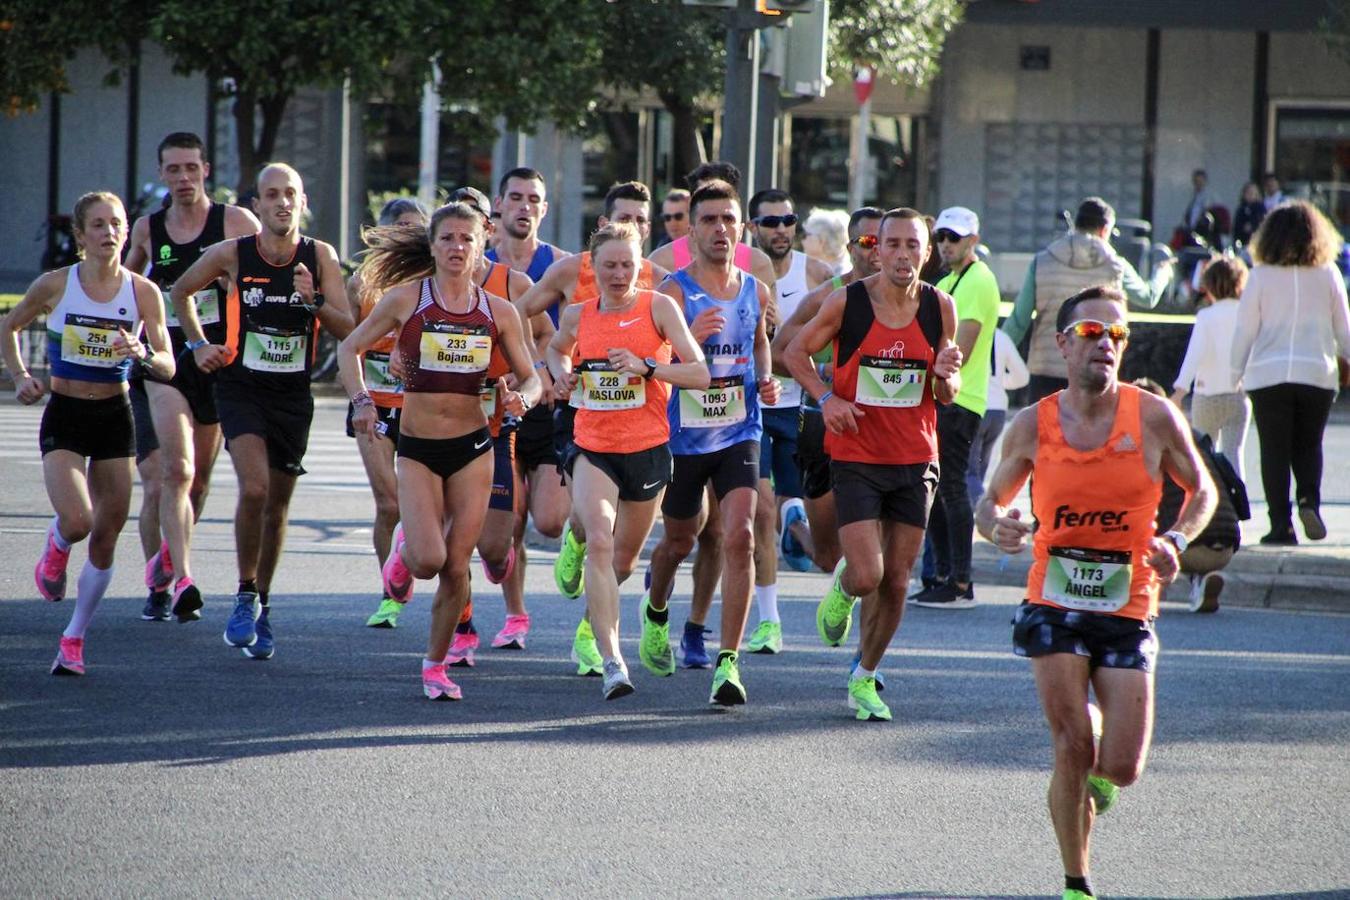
x=179 y=768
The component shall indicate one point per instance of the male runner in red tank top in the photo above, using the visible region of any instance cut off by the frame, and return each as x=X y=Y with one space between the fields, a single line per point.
x=1099 y=450
x=894 y=358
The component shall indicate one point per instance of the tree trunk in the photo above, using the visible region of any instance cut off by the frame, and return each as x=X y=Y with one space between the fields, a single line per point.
x=689 y=153
x=256 y=148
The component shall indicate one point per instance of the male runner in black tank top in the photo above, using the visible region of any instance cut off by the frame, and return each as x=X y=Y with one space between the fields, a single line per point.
x=281 y=283
x=177 y=430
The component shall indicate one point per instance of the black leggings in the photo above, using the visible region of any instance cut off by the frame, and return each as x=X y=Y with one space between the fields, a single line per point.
x=1290 y=420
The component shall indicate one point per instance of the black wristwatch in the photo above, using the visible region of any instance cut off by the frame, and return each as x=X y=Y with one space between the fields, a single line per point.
x=651 y=367
x=319 y=300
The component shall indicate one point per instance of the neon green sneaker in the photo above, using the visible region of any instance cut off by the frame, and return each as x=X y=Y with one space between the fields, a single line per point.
x=654 y=647
x=1104 y=794
x=1071 y=894
x=727 y=689
x=768 y=638
x=862 y=696
x=834 y=615
x=584 y=652
x=569 y=569
x=387 y=615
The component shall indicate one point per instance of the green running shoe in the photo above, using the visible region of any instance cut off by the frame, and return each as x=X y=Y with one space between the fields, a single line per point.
x=768 y=638
x=834 y=615
x=1104 y=794
x=584 y=652
x=727 y=689
x=654 y=647
x=1071 y=894
x=569 y=569
x=387 y=615
x=862 y=696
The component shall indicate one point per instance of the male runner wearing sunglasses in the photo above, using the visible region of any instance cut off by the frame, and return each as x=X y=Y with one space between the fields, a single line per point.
x=774 y=225
x=1099 y=451
x=951 y=524
x=675 y=215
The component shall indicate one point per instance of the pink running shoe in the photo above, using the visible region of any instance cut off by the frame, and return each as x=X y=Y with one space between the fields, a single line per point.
x=461 y=650
x=69 y=657
x=50 y=573
x=498 y=578
x=436 y=685
x=187 y=601
x=159 y=569
x=512 y=635
x=398 y=581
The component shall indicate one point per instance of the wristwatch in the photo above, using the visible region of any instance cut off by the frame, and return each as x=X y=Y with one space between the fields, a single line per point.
x=651 y=367
x=1177 y=538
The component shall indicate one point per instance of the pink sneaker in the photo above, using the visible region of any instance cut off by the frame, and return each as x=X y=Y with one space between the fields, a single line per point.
x=498 y=578
x=461 y=650
x=69 y=657
x=436 y=685
x=512 y=635
x=398 y=581
x=187 y=601
x=50 y=573
x=159 y=569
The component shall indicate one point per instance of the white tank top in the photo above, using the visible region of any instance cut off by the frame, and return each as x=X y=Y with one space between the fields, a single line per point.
x=791 y=288
x=80 y=331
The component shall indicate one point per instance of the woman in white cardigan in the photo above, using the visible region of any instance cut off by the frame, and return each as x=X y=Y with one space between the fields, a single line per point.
x=1292 y=326
x=1220 y=407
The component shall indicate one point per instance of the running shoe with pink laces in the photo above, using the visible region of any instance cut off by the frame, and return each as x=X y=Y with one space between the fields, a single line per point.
x=159 y=569
x=187 y=601
x=50 y=573
x=512 y=635
x=398 y=581
x=69 y=657
x=498 y=577
x=461 y=650
x=436 y=685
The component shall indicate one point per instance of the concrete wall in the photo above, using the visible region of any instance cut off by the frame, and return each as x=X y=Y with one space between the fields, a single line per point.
x=23 y=196
x=168 y=103
x=982 y=83
x=1205 y=84
x=1301 y=67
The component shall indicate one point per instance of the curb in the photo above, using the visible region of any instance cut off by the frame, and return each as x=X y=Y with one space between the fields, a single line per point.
x=1256 y=578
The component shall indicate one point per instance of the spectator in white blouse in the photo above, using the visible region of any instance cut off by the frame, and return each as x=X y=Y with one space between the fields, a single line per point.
x=1220 y=408
x=1292 y=327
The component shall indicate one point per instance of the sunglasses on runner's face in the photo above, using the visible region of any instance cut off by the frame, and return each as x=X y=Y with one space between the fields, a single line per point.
x=672 y=217
x=1093 y=330
x=774 y=221
x=865 y=241
x=947 y=236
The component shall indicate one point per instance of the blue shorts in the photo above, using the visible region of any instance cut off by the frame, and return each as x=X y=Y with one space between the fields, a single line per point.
x=778 y=451
x=1112 y=642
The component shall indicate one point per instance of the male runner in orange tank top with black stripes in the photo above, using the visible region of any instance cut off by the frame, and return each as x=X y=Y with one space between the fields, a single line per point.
x=1099 y=450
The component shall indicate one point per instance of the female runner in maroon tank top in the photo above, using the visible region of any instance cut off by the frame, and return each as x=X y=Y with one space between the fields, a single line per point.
x=444 y=463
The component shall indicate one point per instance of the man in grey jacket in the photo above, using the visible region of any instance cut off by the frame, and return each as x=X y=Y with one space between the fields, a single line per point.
x=1078 y=260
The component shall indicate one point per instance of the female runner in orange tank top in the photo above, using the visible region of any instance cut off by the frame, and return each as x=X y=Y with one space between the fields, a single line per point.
x=622 y=461
x=442 y=514
x=377 y=448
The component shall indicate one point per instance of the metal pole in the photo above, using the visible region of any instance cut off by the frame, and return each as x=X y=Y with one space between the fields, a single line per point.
x=742 y=92
x=345 y=174
x=428 y=158
x=859 y=159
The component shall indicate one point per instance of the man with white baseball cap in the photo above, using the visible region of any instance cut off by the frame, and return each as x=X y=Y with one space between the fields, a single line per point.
x=951 y=524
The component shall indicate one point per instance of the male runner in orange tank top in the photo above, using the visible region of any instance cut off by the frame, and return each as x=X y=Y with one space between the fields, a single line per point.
x=1099 y=450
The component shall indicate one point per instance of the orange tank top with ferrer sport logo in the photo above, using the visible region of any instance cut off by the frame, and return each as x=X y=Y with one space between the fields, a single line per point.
x=618 y=412
x=588 y=288
x=1095 y=512
x=383 y=387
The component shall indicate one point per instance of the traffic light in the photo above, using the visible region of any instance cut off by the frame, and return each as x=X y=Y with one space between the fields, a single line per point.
x=804 y=63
